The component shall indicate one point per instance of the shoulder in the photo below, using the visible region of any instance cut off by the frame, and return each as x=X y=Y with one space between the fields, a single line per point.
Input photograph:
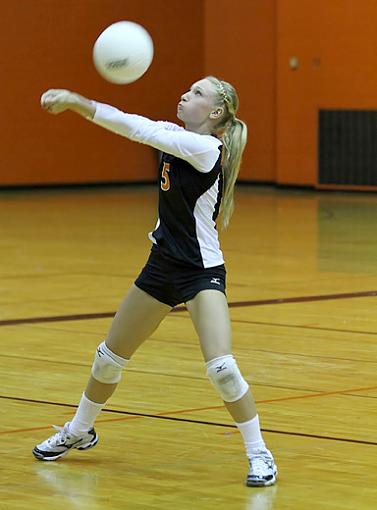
x=213 y=141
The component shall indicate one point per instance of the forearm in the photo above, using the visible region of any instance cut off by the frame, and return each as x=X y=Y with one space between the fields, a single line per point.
x=200 y=151
x=125 y=124
x=56 y=101
x=81 y=105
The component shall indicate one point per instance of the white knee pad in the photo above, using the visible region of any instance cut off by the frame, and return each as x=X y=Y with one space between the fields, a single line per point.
x=107 y=366
x=226 y=377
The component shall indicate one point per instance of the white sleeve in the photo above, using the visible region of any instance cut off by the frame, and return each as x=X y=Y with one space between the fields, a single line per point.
x=170 y=126
x=201 y=151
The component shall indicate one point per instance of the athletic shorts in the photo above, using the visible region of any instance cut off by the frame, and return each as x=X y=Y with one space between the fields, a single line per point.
x=173 y=283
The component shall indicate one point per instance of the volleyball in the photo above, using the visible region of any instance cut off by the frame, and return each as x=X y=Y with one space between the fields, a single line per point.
x=123 y=52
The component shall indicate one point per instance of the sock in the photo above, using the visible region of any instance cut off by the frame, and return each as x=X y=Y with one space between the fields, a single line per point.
x=85 y=416
x=252 y=435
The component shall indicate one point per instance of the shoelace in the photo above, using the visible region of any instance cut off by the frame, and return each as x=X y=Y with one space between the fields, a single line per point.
x=260 y=462
x=59 y=437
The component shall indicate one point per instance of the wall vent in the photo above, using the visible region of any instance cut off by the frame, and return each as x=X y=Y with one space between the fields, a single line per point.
x=347 y=149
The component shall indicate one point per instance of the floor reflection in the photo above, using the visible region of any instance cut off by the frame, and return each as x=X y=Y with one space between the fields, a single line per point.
x=65 y=482
x=261 y=499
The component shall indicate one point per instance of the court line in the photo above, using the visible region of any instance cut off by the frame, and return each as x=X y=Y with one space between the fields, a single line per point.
x=167 y=415
x=197 y=378
x=191 y=377
x=301 y=326
x=136 y=416
x=235 y=304
x=57 y=318
x=182 y=411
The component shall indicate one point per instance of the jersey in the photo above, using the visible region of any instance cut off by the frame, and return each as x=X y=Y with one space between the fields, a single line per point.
x=189 y=203
x=190 y=185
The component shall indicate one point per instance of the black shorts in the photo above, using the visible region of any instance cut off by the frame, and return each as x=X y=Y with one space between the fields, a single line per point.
x=173 y=283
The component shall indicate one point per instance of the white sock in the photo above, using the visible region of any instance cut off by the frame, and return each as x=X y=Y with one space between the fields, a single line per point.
x=252 y=435
x=85 y=416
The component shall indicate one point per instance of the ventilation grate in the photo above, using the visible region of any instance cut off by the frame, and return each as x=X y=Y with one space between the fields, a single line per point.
x=348 y=147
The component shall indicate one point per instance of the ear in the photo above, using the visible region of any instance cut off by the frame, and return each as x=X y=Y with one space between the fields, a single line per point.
x=216 y=114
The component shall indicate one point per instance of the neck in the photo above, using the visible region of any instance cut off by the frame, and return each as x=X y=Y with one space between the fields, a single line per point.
x=201 y=129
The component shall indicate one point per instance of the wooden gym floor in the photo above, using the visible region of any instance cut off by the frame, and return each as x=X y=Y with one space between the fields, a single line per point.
x=302 y=286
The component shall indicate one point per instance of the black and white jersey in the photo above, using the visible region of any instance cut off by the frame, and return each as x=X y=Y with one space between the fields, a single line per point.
x=189 y=203
x=190 y=185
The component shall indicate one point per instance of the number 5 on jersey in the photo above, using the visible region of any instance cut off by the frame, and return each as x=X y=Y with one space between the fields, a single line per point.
x=165 y=180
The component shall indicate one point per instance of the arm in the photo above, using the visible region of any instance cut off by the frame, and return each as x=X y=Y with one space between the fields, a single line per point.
x=201 y=151
x=59 y=100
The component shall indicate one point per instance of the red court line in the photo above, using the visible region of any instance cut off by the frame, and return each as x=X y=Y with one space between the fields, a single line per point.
x=313 y=395
x=235 y=304
x=166 y=414
x=301 y=326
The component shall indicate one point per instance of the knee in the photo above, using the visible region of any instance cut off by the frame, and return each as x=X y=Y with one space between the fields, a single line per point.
x=107 y=366
x=226 y=377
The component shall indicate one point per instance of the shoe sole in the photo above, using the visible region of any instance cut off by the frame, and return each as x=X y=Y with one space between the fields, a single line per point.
x=263 y=484
x=40 y=456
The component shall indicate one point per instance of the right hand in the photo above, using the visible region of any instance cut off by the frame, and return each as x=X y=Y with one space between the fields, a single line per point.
x=57 y=100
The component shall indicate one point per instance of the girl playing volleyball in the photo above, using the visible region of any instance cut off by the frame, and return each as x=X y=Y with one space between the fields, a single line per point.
x=198 y=170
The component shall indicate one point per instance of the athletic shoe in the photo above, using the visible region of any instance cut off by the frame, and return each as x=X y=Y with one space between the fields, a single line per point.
x=60 y=443
x=263 y=470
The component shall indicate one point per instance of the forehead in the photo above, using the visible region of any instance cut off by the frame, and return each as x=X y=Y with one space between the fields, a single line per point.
x=208 y=87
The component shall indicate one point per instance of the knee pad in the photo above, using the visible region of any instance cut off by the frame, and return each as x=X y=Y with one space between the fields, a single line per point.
x=107 y=366
x=226 y=378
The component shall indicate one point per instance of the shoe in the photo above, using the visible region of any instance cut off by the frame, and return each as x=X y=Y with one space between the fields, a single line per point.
x=263 y=470
x=60 y=443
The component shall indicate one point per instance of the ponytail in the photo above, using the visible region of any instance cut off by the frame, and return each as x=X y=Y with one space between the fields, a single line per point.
x=233 y=133
x=234 y=141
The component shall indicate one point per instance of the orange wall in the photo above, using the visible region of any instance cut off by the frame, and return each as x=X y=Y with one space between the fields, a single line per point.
x=250 y=42
x=335 y=43
x=240 y=48
x=47 y=43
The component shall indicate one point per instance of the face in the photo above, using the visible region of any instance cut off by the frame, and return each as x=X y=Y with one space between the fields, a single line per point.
x=197 y=104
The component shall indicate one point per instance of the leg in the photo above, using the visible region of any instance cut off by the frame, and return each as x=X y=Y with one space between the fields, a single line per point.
x=138 y=317
x=210 y=315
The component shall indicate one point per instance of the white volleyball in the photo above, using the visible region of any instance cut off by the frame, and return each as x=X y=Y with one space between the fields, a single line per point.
x=123 y=52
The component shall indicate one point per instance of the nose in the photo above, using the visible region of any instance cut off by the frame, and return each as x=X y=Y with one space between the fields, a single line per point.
x=184 y=97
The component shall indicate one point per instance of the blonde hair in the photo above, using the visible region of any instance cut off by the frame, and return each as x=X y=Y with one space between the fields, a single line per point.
x=233 y=134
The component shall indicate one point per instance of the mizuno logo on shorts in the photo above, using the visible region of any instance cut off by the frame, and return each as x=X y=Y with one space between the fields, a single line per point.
x=216 y=280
